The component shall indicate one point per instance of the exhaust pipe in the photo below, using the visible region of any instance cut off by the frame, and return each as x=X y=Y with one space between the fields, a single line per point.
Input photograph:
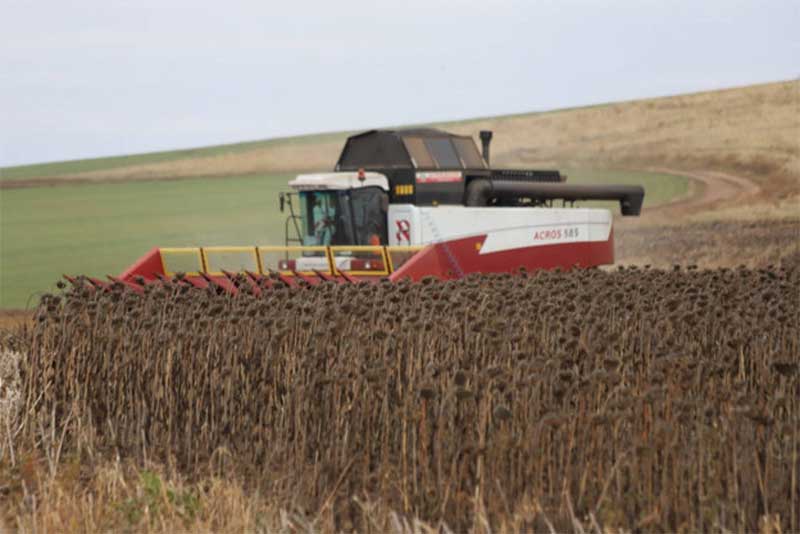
x=486 y=139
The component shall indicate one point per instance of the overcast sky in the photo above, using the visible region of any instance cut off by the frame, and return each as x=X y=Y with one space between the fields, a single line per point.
x=104 y=77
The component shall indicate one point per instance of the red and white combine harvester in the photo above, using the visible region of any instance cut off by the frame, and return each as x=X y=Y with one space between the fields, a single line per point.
x=408 y=204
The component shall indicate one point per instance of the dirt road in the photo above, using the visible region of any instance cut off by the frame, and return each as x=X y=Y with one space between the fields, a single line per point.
x=708 y=190
x=712 y=226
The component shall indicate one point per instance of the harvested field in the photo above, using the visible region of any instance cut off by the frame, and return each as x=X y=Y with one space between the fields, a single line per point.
x=641 y=399
x=757 y=243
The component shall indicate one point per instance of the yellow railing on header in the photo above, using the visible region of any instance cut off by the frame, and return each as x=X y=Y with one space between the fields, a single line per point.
x=185 y=260
x=231 y=259
x=353 y=260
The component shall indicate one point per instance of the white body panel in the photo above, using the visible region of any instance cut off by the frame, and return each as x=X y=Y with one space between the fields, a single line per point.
x=505 y=228
x=320 y=263
x=314 y=263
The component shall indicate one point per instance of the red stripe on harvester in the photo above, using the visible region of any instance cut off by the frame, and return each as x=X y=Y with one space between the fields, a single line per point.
x=434 y=260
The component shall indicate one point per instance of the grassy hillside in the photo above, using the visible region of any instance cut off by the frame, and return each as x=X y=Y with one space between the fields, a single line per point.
x=752 y=131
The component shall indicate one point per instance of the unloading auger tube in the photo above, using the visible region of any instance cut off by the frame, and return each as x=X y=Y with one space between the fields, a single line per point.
x=482 y=192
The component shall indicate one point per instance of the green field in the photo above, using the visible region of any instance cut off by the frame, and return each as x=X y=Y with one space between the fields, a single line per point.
x=99 y=229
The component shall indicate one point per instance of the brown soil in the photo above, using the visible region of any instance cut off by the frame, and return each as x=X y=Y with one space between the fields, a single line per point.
x=721 y=243
x=29 y=183
x=10 y=319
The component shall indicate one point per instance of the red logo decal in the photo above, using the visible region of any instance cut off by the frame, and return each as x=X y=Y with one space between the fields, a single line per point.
x=403 y=230
x=438 y=177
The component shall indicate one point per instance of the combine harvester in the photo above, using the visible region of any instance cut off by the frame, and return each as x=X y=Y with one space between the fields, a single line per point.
x=408 y=204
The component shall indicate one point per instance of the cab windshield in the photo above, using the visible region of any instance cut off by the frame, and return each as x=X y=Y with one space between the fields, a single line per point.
x=349 y=217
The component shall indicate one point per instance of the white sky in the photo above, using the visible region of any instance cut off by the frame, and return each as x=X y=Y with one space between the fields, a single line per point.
x=104 y=77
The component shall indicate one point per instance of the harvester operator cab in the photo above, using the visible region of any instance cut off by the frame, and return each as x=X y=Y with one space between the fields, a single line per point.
x=344 y=208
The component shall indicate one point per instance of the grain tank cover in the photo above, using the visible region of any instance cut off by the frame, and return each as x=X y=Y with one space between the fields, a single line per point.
x=419 y=148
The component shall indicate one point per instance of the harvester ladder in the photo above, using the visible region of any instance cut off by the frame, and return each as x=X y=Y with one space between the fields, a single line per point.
x=293 y=219
x=438 y=239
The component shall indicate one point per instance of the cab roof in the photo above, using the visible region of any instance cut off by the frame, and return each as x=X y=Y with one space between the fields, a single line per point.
x=412 y=148
x=338 y=181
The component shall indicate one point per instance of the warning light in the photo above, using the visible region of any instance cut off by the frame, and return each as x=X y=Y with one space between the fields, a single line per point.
x=361 y=175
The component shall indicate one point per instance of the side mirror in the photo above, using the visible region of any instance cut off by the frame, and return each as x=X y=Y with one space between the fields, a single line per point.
x=282 y=201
